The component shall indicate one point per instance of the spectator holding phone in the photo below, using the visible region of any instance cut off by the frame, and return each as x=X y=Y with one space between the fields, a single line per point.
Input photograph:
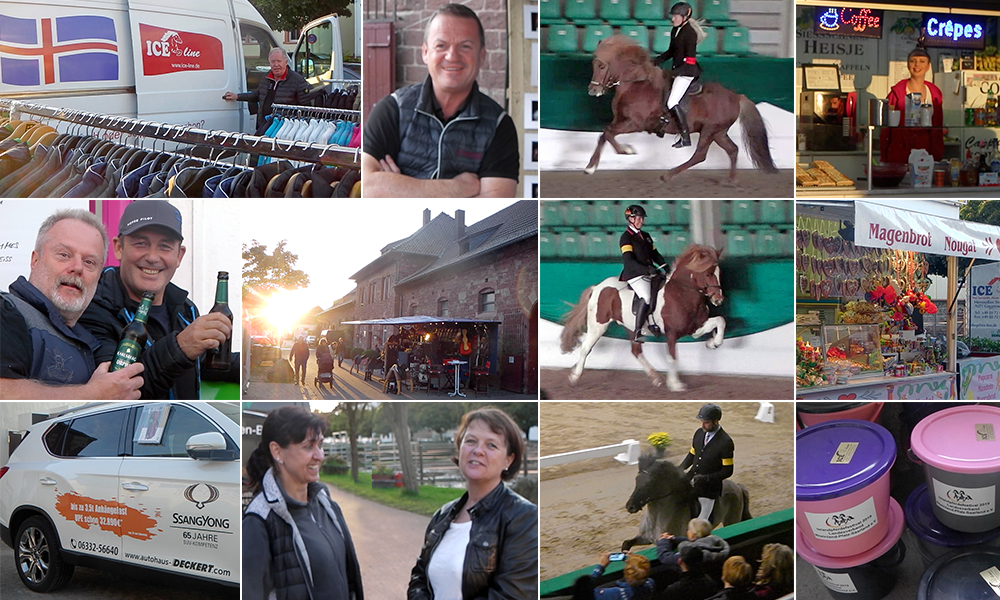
x=636 y=585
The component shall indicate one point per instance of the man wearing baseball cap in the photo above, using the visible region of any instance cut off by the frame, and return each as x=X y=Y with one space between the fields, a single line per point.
x=710 y=458
x=149 y=247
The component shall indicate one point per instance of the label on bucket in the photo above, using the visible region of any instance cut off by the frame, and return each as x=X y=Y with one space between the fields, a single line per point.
x=837 y=582
x=844 y=454
x=984 y=432
x=843 y=524
x=992 y=577
x=965 y=502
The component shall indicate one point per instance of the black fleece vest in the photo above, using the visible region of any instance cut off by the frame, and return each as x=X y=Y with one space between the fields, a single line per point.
x=430 y=149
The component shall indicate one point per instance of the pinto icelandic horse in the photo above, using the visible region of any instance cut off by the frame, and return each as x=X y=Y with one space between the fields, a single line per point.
x=680 y=310
x=621 y=63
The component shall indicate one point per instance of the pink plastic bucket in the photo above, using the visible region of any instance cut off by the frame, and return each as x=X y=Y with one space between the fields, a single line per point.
x=814 y=413
x=960 y=450
x=842 y=486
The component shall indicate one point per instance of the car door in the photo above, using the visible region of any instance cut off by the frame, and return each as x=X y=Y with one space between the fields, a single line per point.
x=196 y=503
x=78 y=486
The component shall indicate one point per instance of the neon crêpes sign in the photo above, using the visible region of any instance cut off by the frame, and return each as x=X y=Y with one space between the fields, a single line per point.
x=954 y=31
x=856 y=22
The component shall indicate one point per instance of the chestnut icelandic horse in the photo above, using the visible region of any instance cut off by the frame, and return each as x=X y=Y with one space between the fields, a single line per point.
x=638 y=103
x=680 y=310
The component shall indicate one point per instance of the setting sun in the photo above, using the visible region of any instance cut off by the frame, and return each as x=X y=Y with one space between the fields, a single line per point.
x=286 y=307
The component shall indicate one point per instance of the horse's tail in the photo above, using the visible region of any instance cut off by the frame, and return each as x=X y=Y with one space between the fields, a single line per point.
x=746 y=516
x=755 y=136
x=575 y=322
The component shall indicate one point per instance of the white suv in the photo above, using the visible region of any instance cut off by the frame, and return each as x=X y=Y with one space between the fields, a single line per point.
x=127 y=487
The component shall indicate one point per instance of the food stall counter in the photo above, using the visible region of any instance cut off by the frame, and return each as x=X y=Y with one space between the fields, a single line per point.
x=932 y=386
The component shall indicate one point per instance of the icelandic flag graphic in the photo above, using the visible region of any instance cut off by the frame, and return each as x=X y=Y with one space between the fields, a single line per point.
x=59 y=50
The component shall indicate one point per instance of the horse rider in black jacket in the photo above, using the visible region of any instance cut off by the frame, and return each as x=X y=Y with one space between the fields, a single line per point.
x=683 y=44
x=641 y=263
x=710 y=459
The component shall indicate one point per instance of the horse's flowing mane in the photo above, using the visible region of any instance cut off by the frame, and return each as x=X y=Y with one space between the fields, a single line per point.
x=697 y=259
x=623 y=50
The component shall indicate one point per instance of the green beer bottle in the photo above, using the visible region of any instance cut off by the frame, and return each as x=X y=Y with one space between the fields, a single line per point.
x=133 y=336
x=219 y=358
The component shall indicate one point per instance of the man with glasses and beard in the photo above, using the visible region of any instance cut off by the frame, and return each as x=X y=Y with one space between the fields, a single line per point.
x=46 y=354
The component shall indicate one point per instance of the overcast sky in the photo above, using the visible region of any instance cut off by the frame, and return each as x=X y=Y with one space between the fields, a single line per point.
x=336 y=238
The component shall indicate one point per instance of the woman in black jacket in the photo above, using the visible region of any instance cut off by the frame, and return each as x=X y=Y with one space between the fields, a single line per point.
x=486 y=542
x=296 y=545
x=683 y=44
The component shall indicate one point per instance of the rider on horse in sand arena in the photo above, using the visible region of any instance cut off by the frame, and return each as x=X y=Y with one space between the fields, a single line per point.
x=641 y=262
x=684 y=38
x=710 y=458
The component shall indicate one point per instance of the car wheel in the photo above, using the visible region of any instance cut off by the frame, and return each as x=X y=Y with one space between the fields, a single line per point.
x=38 y=556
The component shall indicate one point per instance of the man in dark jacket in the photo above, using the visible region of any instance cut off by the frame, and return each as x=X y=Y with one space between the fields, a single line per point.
x=281 y=86
x=694 y=583
x=300 y=356
x=149 y=248
x=46 y=354
x=710 y=458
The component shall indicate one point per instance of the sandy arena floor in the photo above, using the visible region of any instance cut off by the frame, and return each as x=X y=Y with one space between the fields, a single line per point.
x=697 y=183
x=583 y=504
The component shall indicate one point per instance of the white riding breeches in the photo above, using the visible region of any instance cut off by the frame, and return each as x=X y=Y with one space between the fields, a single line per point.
x=707 y=504
x=640 y=285
x=680 y=85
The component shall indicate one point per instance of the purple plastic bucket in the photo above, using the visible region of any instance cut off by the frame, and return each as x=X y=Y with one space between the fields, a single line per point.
x=960 y=450
x=842 y=486
x=870 y=575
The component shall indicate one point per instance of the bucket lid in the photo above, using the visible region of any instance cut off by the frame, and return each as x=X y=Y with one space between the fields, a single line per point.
x=811 y=556
x=963 y=439
x=960 y=575
x=868 y=451
x=922 y=522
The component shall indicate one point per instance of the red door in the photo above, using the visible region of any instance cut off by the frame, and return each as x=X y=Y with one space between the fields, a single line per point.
x=378 y=63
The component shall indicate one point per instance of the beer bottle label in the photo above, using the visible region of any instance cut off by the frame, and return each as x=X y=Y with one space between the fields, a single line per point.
x=128 y=353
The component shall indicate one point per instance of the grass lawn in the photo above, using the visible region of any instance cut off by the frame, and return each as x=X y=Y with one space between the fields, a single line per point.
x=426 y=502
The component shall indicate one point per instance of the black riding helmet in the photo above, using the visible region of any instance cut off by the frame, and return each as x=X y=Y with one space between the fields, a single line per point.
x=710 y=412
x=634 y=210
x=681 y=8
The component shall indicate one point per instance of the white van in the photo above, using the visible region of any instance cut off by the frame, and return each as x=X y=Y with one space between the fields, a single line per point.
x=167 y=62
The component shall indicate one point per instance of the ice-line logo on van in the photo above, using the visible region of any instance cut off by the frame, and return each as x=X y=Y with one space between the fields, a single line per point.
x=172 y=50
x=57 y=50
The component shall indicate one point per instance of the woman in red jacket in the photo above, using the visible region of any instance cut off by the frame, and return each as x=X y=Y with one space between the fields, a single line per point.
x=895 y=146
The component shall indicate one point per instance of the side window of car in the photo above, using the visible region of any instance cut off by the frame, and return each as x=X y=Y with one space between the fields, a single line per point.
x=182 y=423
x=95 y=435
x=54 y=438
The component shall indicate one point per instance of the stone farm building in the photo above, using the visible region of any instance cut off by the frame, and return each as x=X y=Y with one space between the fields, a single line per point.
x=487 y=270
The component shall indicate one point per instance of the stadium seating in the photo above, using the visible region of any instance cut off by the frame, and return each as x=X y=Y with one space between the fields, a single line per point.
x=562 y=38
x=593 y=34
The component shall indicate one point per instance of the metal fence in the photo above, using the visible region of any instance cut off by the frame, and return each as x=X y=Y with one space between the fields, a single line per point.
x=432 y=460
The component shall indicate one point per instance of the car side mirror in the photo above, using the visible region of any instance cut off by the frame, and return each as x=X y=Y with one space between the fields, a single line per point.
x=209 y=446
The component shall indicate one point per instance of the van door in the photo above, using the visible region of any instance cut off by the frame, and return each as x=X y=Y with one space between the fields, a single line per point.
x=196 y=502
x=319 y=54
x=185 y=60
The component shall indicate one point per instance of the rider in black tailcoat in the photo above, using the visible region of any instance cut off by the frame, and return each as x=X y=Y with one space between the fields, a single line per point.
x=640 y=260
x=710 y=462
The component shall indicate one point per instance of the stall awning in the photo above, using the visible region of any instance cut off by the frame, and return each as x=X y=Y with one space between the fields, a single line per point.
x=417 y=320
x=882 y=226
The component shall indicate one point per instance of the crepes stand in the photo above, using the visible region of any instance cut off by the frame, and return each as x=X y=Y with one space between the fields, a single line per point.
x=862 y=278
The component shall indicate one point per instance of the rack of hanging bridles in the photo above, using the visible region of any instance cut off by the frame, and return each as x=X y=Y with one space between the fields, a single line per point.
x=227 y=150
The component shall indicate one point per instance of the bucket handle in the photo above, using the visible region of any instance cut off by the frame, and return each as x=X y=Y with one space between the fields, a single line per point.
x=913 y=457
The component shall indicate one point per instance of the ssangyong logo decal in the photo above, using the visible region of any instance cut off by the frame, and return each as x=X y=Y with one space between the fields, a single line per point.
x=171 y=51
x=192 y=494
x=838 y=520
x=958 y=496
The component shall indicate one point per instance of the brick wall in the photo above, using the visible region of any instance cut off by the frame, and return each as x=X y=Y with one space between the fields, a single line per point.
x=411 y=23
x=512 y=273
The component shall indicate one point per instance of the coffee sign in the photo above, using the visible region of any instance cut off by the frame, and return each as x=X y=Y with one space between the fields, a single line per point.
x=856 y=22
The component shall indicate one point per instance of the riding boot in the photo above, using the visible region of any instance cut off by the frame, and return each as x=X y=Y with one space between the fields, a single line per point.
x=640 y=319
x=664 y=123
x=682 y=127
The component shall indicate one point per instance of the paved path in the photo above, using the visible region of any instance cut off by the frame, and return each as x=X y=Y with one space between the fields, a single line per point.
x=351 y=386
x=387 y=540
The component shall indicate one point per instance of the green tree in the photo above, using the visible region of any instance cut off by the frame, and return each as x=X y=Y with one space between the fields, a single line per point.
x=352 y=415
x=263 y=272
x=397 y=413
x=288 y=15
x=436 y=416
